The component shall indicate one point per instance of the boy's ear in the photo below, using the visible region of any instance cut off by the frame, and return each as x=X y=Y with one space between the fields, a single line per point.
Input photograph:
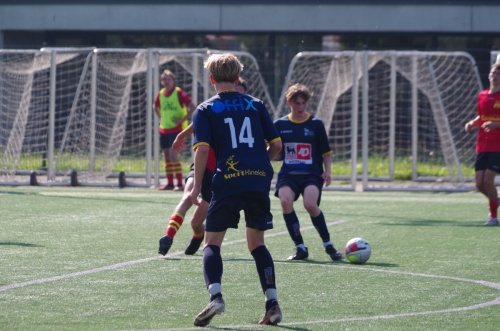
x=212 y=80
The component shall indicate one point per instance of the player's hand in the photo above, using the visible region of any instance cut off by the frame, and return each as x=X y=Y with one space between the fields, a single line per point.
x=194 y=195
x=489 y=126
x=468 y=127
x=178 y=120
x=178 y=144
x=327 y=178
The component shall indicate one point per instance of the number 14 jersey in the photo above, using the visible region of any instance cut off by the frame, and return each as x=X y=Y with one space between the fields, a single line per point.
x=237 y=127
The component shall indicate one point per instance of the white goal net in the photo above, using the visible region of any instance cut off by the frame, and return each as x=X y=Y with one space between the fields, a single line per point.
x=89 y=111
x=395 y=119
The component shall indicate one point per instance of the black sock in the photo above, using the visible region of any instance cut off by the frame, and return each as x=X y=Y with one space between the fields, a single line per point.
x=320 y=226
x=265 y=267
x=293 y=227
x=271 y=303
x=215 y=296
x=212 y=264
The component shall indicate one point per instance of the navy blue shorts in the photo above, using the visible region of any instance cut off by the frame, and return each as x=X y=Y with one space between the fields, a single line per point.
x=166 y=140
x=487 y=160
x=225 y=213
x=206 y=184
x=298 y=184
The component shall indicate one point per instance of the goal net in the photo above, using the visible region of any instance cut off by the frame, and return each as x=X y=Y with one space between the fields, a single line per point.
x=395 y=119
x=89 y=111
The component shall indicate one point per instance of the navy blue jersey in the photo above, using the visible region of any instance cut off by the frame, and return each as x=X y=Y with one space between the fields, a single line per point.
x=237 y=127
x=304 y=145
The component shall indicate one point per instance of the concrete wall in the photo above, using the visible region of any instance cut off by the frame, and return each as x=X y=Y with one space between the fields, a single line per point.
x=213 y=17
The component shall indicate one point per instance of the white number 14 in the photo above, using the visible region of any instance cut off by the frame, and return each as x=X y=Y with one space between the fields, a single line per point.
x=245 y=136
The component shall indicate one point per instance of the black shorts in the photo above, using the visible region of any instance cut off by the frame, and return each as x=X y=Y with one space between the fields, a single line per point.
x=298 y=184
x=166 y=140
x=206 y=184
x=225 y=213
x=487 y=160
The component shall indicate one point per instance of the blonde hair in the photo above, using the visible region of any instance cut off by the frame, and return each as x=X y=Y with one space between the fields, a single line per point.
x=298 y=90
x=224 y=67
x=166 y=73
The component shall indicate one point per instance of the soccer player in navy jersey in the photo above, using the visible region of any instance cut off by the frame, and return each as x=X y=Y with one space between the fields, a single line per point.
x=306 y=168
x=487 y=164
x=239 y=129
x=177 y=218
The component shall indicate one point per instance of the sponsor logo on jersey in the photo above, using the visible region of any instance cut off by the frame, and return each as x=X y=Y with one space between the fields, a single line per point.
x=233 y=172
x=298 y=153
x=237 y=104
x=308 y=133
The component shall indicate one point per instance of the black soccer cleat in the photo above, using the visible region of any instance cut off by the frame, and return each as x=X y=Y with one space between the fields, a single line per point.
x=334 y=254
x=165 y=244
x=193 y=246
x=300 y=254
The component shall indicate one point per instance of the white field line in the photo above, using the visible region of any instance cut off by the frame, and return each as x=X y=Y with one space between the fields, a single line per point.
x=496 y=301
x=124 y=264
x=253 y=326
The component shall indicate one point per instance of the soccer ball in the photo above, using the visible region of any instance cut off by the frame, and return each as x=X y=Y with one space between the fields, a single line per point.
x=357 y=250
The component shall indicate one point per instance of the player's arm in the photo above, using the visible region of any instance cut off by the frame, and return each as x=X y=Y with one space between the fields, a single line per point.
x=156 y=106
x=190 y=110
x=178 y=143
x=274 y=148
x=327 y=163
x=473 y=123
x=200 y=162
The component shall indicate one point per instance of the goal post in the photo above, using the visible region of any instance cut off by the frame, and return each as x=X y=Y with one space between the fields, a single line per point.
x=395 y=119
x=90 y=111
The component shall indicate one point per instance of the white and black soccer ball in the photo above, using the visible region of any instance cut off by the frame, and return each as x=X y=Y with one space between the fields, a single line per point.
x=357 y=250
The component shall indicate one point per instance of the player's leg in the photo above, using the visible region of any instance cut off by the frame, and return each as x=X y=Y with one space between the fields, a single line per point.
x=199 y=215
x=312 y=197
x=487 y=166
x=480 y=182
x=287 y=197
x=258 y=218
x=220 y=216
x=176 y=219
x=212 y=270
x=168 y=170
x=492 y=195
x=176 y=168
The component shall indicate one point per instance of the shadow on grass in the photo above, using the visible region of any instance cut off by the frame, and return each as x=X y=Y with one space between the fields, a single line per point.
x=130 y=200
x=18 y=244
x=309 y=261
x=420 y=222
x=274 y=326
x=18 y=193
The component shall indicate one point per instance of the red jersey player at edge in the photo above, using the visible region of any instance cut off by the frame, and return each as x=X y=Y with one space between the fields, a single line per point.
x=237 y=126
x=487 y=164
x=306 y=168
x=174 y=107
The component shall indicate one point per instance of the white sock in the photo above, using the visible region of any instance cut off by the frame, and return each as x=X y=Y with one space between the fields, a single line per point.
x=302 y=247
x=271 y=294
x=214 y=288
